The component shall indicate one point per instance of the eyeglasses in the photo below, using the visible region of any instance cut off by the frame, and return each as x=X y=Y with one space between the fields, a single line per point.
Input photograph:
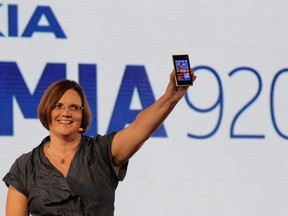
x=73 y=107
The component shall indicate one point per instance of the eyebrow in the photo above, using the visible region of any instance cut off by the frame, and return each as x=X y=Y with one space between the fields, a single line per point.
x=73 y=104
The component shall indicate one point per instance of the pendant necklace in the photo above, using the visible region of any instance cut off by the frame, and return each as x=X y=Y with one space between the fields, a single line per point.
x=62 y=158
x=62 y=161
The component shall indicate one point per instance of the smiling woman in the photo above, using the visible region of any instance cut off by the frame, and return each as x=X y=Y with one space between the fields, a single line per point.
x=70 y=173
x=66 y=122
x=51 y=101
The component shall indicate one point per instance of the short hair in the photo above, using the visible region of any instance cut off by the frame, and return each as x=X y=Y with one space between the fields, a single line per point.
x=53 y=94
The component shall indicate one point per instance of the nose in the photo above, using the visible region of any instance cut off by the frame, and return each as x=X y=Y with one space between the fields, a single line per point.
x=66 y=112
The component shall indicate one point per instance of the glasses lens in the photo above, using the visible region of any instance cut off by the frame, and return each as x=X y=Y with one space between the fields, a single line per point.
x=59 y=106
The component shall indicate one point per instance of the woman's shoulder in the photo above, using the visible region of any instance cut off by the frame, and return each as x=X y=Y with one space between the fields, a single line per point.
x=22 y=170
x=28 y=158
x=98 y=139
x=24 y=158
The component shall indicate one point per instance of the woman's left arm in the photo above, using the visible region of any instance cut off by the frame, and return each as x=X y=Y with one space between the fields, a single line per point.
x=129 y=140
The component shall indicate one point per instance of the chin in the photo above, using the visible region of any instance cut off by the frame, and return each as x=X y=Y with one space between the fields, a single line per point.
x=68 y=132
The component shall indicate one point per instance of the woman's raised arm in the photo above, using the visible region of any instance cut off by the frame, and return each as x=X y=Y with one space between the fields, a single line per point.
x=129 y=140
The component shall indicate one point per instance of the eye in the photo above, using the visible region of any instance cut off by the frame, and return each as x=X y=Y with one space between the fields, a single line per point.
x=73 y=107
x=57 y=106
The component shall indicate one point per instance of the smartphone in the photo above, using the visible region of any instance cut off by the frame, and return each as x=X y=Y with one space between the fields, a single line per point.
x=182 y=67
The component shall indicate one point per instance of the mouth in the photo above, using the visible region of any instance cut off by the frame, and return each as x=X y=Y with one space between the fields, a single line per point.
x=65 y=121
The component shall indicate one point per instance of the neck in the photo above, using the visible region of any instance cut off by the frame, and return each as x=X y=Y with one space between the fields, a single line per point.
x=63 y=146
x=61 y=151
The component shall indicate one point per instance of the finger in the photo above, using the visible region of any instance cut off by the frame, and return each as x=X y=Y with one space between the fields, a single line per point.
x=192 y=73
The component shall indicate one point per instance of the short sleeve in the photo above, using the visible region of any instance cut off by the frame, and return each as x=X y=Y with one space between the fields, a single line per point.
x=106 y=146
x=123 y=171
x=17 y=176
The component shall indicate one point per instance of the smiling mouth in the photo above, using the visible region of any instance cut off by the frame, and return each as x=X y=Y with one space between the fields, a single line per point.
x=65 y=122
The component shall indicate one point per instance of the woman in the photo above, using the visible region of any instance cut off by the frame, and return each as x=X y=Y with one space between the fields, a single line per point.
x=72 y=174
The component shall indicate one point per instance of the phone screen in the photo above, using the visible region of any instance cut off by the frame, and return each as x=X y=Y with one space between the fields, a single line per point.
x=182 y=66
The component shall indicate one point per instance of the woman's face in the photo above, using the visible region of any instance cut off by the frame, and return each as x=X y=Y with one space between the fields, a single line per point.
x=66 y=115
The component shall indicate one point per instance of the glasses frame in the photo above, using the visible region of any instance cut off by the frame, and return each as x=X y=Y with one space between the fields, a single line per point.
x=72 y=107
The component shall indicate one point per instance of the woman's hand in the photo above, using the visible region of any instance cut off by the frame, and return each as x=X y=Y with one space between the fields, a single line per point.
x=176 y=92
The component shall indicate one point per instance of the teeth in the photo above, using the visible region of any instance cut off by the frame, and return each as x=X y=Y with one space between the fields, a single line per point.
x=65 y=122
